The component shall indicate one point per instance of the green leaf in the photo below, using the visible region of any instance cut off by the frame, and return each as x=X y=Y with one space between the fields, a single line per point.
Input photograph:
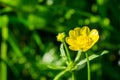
x=78 y=55
x=62 y=51
x=14 y=45
x=56 y=67
x=91 y=57
x=38 y=40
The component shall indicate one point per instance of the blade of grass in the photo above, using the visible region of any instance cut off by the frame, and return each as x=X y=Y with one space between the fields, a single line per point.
x=14 y=46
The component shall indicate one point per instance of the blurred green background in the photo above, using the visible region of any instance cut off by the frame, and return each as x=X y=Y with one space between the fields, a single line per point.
x=28 y=30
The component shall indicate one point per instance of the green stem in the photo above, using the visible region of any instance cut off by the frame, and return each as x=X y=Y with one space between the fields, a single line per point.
x=73 y=76
x=68 y=54
x=60 y=74
x=88 y=66
x=3 y=73
x=3 y=55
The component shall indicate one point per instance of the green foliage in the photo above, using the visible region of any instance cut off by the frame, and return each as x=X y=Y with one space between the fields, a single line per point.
x=30 y=37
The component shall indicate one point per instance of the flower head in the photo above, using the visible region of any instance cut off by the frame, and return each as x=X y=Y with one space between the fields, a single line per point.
x=82 y=38
x=60 y=36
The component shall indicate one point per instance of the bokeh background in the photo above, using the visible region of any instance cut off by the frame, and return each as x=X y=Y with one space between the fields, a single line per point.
x=28 y=30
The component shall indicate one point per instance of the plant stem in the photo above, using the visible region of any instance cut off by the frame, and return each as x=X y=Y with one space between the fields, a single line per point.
x=88 y=66
x=3 y=55
x=73 y=76
x=3 y=64
x=68 y=54
x=60 y=74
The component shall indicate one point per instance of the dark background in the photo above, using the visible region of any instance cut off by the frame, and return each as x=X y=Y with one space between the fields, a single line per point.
x=32 y=28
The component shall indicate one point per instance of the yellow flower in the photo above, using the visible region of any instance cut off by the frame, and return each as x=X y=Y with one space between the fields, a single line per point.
x=60 y=36
x=82 y=38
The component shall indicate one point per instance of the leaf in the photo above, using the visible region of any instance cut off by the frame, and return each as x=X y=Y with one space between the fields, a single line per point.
x=56 y=67
x=78 y=55
x=14 y=45
x=62 y=51
x=92 y=57
x=38 y=40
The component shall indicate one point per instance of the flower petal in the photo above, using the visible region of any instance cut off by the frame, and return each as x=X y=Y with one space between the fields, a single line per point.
x=94 y=35
x=85 y=30
x=74 y=48
x=72 y=34
x=77 y=31
x=70 y=41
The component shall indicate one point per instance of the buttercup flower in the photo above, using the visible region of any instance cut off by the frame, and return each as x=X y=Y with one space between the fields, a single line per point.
x=82 y=38
x=60 y=36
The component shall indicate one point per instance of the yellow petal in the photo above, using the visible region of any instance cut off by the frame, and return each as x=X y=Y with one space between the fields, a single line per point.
x=77 y=31
x=72 y=34
x=94 y=35
x=74 y=48
x=85 y=30
x=70 y=41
